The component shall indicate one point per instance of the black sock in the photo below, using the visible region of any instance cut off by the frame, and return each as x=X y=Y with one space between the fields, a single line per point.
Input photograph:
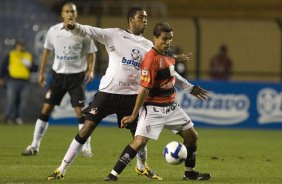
x=126 y=156
x=191 y=156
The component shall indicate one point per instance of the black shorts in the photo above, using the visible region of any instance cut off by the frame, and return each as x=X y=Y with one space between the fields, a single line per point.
x=66 y=83
x=105 y=104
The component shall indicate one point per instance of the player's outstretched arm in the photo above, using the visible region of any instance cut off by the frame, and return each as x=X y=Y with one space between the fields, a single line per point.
x=99 y=34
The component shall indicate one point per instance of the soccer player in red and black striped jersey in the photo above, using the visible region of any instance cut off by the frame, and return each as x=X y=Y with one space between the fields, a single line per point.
x=157 y=108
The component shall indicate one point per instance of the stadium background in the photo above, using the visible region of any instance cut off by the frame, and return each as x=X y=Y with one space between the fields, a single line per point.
x=252 y=30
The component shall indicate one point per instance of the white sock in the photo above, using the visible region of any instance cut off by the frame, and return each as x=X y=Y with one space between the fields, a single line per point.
x=87 y=145
x=74 y=149
x=141 y=158
x=39 y=131
x=113 y=172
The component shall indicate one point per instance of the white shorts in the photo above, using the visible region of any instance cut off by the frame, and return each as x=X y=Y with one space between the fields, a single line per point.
x=152 y=119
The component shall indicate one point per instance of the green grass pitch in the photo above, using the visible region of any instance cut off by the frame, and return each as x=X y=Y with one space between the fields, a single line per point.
x=231 y=156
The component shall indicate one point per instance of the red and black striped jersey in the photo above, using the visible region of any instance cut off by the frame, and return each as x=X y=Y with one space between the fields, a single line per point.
x=157 y=74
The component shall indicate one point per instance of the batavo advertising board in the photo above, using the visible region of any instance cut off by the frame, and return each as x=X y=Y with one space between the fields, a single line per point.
x=230 y=104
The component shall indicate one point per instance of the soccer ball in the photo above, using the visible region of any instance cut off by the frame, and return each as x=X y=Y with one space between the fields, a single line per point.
x=175 y=153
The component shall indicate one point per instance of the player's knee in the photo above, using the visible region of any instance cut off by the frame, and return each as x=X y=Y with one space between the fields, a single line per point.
x=80 y=139
x=190 y=137
x=87 y=129
x=44 y=117
x=139 y=142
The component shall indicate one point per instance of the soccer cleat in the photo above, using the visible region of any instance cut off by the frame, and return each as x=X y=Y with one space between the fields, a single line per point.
x=87 y=153
x=148 y=173
x=111 y=178
x=195 y=175
x=30 y=151
x=56 y=175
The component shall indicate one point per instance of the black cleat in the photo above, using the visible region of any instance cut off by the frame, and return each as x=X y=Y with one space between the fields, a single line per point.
x=111 y=178
x=195 y=175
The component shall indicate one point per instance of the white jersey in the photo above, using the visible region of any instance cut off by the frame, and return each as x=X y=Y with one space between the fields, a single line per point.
x=126 y=52
x=69 y=50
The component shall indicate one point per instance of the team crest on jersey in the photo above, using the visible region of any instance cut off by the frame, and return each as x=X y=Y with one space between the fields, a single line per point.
x=145 y=72
x=135 y=54
x=67 y=50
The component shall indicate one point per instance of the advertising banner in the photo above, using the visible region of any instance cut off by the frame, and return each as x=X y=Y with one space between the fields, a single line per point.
x=230 y=104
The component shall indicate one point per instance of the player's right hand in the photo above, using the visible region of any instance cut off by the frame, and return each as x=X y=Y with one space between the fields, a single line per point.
x=41 y=80
x=126 y=119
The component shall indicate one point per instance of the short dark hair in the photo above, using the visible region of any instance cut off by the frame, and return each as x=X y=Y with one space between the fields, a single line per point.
x=161 y=27
x=132 y=12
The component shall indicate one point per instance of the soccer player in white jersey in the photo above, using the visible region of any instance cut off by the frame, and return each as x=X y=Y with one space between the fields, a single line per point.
x=159 y=109
x=118 y=87
x=73 y=65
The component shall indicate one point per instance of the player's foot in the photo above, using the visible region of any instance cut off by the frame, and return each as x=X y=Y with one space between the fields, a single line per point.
x=148 y=173
x=111 y=178
x=30 y=151
x=195 y=175
x=87 y=153
x=56 y=175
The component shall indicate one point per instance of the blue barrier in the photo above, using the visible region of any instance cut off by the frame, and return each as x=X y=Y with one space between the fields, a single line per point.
x=231 y=104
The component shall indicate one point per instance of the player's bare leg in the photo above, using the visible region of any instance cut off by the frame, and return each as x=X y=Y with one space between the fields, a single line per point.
x=86 y=149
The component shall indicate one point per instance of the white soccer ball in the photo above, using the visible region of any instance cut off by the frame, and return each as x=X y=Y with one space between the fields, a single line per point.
x=175 y=153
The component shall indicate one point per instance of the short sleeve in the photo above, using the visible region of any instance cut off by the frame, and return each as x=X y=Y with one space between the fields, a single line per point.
x=148 y=70
x=48 y=44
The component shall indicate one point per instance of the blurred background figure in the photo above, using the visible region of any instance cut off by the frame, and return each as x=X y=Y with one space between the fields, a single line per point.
x=221 y=65
x=15 y=74
x=180 y=65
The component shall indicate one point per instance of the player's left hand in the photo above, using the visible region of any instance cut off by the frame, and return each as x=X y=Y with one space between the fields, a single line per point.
x=183 y=57
x=89 y=76
x=200 y=93
x=127 y=119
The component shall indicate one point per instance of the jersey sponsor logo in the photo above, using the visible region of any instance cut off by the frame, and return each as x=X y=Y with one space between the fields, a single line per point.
x=269 y=106
x=130 y=62
x=123 y=83
x=67 y=58
x=134 y=61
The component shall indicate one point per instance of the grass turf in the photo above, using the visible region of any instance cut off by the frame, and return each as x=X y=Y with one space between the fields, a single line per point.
x=231 y=156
